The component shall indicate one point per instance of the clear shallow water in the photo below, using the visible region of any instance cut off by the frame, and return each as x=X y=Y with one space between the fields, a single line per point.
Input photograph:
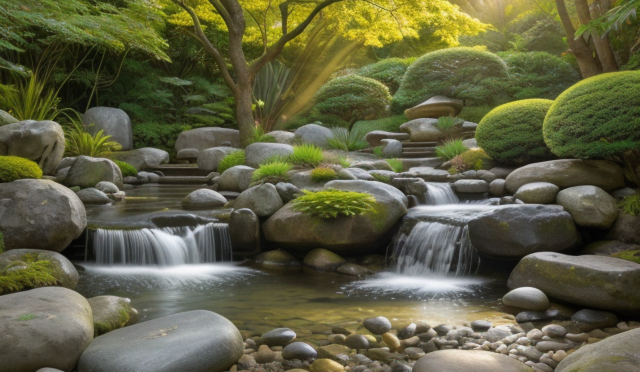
x=259 y=301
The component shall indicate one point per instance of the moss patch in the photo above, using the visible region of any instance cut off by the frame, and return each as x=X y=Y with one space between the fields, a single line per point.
x=28 y=272
x=25 y=317
x=633 y=256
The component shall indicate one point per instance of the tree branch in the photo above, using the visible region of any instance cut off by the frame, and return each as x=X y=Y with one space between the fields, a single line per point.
x=223 y=13
x=263 y=33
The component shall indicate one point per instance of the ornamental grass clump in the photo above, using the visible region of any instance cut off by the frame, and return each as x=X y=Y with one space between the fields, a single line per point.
x=346 y=140
x=332 y=203
x=447 y=125
x=14 y=168
x=306 y=155
x=231 y=160
x=450 y=149
x=323 y=174
x=274 y=172
x=127 y=169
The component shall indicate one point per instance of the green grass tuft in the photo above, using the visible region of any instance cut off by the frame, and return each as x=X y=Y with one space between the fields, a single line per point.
x=323 y=174
x=450 y=149
x=306 y=155
x=274 y=172
x=25 y=317
x=631 y=204
x=396 y=164
x=333 y=203
x=231 y=160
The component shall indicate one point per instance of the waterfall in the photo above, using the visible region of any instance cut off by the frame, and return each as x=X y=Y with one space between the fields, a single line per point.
x=440 y=193
x=167 y=246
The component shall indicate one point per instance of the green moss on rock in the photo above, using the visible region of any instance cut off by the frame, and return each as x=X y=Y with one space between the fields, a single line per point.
x=14 y=168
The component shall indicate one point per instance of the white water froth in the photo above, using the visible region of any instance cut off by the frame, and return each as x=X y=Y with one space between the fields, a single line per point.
x=394 y=283
x=440 y=193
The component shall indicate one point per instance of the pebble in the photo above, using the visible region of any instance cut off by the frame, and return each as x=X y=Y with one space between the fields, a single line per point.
x=407 y=332
x=559 y=355
x=378 y=326
x=481 y=325
x=595 y=318
x=299 y=350
x=337 y=339
x=442 y=329
x=278 y=337
x=392 y=341
x=356 y=341
x=264 y=355
x=554 y=330
x=535 y=334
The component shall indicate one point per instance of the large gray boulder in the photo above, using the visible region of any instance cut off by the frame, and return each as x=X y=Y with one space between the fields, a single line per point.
x=203 y=199
x=40 y=214
x=93 y=196
x=435 y=107
x=468 y=360
x=87 y=172
x=297 y=230
x=44 y=327
x=314 y=134
x=61 y=268
x=590 y=206
x=5 y=118
x=518 y=230
x=194 y=341
x=264 y=200
x=619 y=353
x=40 y=141
x=422 y=130
x=236 y=178
x=111 y=312
x=113 y=121
x=568 y=173
x=244 y=231
x=537 y=193
x=210 y=158
x=626 y=229
x=593 y=281
x=142 y=159
x=392 y=148
x=282 y=136
x=205 y=138
x=256 y=153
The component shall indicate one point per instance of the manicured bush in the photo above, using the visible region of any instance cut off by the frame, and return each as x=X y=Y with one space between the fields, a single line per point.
x=332 y=203
x=464 y=73
x=387 y=71
x=597 y=118
x=306 y=155
x=538 y=75
x=323 y=174
x=475 y=158
x=352 y=98
x=231 y=160
x=274 y=172
x=512 y=133
x=16 y=168
x=127 y=169
x=396 y=164
x=450 y=149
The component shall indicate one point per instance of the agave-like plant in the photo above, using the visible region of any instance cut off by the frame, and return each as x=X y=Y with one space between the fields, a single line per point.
x=80 y=142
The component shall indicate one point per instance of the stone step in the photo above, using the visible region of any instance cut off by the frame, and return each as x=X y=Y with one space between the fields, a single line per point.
x=419 y=149
x=422 y=154
x=183 y=180
x=419 y=144
x=180 y=170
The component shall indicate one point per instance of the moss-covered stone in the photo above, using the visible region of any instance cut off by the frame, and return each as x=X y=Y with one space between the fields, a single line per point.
x=22 y=269
x=619 y=353
x=16 y=168
x=633 y=256
x=111 y=312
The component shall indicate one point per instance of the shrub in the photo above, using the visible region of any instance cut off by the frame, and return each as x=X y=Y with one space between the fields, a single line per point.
x=77 y=141
x=597 y=118
x=463 y=73
x=450 y=149
x=14 y=168
x=127 y=169
x=396 y=164
x=231 y=160
x=346 y=140
x=332 y=203
x=323 y=174
x=274 y=172
x=30 y=271
x=158 y=135
x=352 y=98
x=458 y=165
x=631 y=204
x=390 y=124
x=475 y=158
x=538 y=75
x=387 y=71
x=512 y=133
x=306 y=155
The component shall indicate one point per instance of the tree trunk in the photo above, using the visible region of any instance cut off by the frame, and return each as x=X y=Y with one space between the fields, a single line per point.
x=244 y=114
x=602 y=45
x=579 y=47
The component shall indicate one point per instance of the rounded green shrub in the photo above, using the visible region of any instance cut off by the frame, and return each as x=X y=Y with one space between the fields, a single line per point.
x=512 y=133
x=127 y=169
x=14 y=168
x=597 y=118
x=352 y=98
x=231 y=160
x=387 y=71
x=463 y=73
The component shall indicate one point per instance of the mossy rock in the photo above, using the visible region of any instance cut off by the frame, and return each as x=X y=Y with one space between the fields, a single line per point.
x=512 y=133
x=633 y=256
x=14 y=168
x=22 y=269
x=596 y=118
x=110 y=313
x=618 y=353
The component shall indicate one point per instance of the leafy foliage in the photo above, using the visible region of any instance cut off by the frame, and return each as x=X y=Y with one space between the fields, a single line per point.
x=512 y=133
x=323 y=174
x=462 y=73
x=306 y=155
x=127 y=169
x=268 y=88
x=14 y=168
x=332 y=203
x=352 y=98
x=377 y=151
x=30 y=100
x=596 y=118
x=346 y=140
x=80 y=142
x=631 y=204
x=450 y=149
x=231 y=160
x=387 y=71
x=272 y=172
x=396 y=164
x=158 y=135
x=390 y=124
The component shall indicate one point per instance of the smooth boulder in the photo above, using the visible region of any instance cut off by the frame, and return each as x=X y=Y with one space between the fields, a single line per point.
x=568 y=173
x=518 y=230
x=210 y=158
x=277 y=260
x=93 y=196
x=61 y=268
x=314 y=134
x=264 y=200
x=537 y=193
x=113 y=122
x=40 y=214
x=40 y=141
x=208 y=137
x=203 y=199
x=6 y=118
x=282 y=136
x=423 y=130
x=244 y=230
x=87 y=172
x=111 y=312
x=598 y=282
x=257 y=153
x=194 y=341
x=590 y=206
x=142 y=159
x=236 y=178
x=528 y=298
x=44 y=327
x=468 y=360
x=323 y=260
x=435 y=107
x=618 y=353
x=626 y=229
x=374 y=138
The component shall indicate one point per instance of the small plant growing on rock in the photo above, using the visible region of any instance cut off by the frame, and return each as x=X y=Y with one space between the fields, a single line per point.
x=14 y=168
x=28 y=272
x=306 y=155
x=377 y=151
x=323 y=174
x=259 y=135
x=332 y=203
x=458 y=165
x=127 y=169
x=396 y=164
x=631 y=204
x=80 y=142
x=381 y=177
x=450 y=149
x=346 y=140
x=231 y=160
x=447 y=125
x=274 y=173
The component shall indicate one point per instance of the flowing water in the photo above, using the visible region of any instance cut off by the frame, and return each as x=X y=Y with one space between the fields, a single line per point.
x=440 y=193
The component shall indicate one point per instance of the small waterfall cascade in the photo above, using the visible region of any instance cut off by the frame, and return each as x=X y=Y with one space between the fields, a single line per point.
x=440 y=193
x=167 y=246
